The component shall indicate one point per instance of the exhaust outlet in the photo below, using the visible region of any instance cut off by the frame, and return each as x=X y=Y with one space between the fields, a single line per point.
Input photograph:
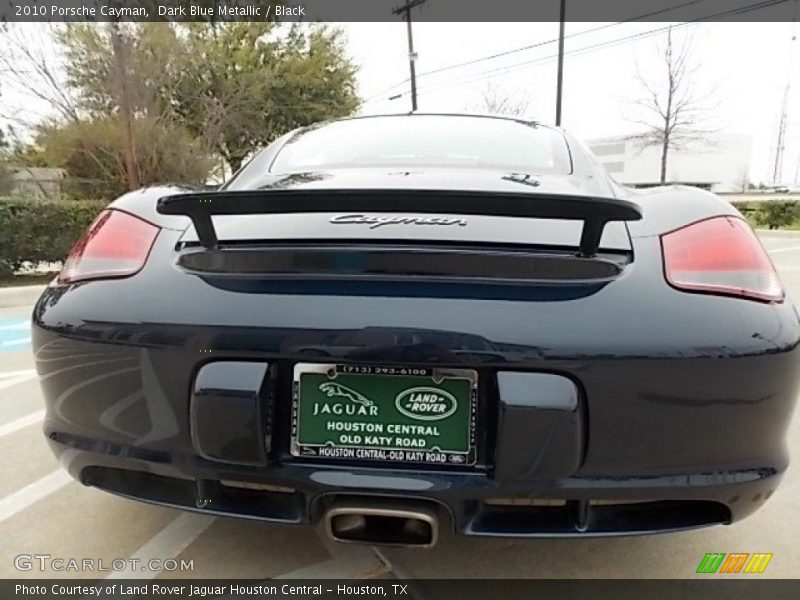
x=381 y=523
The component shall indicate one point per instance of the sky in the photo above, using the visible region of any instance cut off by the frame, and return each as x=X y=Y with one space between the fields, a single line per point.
x=744 y=67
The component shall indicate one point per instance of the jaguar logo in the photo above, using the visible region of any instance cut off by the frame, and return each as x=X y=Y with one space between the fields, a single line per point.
x=333 y=390
x=426 y=403
x=375 y=221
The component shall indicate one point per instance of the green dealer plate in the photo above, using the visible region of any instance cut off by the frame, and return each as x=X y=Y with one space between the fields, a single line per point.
x=384 y=414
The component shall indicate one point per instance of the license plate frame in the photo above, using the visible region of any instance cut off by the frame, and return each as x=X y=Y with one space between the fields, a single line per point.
x=423 y=389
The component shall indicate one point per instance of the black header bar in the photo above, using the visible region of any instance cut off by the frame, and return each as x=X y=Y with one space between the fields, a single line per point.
x=709 y=588
x=383 y=10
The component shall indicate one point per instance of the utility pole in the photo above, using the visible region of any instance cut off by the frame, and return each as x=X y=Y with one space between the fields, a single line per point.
x=780 y=146
x=412 y=56
x=797 y=171
x=560 y=77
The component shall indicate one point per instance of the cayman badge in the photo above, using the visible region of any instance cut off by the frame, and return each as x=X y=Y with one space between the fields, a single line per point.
x=375 y=221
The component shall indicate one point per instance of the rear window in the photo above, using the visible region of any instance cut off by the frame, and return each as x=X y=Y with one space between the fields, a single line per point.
x=425 y=141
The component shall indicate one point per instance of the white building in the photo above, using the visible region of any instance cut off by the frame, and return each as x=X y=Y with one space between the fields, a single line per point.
x=721 y=162
x=34 y=182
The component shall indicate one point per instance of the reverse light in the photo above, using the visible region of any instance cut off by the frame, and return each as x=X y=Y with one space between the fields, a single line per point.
x=720 y=256
x=115 y=245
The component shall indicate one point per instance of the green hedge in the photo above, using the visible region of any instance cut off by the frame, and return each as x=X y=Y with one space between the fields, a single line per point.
x=773 y=214
x=41 y=230
x=777 y=214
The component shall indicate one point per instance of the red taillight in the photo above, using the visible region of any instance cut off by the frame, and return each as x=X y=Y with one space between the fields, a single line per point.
x=115 y=245
x=720 y=256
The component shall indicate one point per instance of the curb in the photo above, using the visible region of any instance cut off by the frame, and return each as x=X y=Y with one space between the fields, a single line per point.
x=20 y=296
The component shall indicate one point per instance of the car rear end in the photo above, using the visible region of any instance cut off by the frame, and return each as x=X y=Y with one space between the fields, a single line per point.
x=413 y=337
x=594 y=396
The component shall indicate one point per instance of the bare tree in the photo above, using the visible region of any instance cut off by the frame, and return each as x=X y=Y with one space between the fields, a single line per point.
x=674 y=112
x=495 y=101
x=121 y=49
x=30 y=69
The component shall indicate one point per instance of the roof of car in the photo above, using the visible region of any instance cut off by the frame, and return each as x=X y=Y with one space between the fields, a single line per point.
x=446 y=114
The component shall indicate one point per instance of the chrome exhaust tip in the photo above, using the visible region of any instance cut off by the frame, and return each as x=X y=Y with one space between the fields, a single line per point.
x=384 y=524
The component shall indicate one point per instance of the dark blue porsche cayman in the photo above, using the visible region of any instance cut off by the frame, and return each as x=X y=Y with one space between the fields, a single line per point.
x=390 y=325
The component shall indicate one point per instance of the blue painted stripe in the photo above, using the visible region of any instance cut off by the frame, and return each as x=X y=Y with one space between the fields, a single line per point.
x=15 y=334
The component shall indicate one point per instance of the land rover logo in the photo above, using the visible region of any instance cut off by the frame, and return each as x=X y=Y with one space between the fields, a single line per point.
x=426 y=403
x=375 y=221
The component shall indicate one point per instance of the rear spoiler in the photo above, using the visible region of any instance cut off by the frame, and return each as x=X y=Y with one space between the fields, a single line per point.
x=594 y=212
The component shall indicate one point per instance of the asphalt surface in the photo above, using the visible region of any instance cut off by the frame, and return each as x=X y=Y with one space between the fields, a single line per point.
x=44 y=512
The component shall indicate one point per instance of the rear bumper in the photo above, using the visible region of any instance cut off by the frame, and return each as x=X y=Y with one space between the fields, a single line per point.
x=125 y=420
x=685 y=399
x=472 y=504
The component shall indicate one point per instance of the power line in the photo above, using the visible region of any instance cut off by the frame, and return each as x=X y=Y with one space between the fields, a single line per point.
x=579 y=33
x=489 y=74
x=532 y=46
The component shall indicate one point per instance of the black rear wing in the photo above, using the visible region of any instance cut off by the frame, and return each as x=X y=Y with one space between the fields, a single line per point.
x=594 y=212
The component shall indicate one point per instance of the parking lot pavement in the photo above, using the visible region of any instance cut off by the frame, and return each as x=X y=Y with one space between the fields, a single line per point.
x=42 y=511
x=784 y=250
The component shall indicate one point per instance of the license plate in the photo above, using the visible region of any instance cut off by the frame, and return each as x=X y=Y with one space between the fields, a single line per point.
x=386 y=414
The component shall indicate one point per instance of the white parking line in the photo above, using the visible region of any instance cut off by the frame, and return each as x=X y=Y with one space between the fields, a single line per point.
x=7 y=382
x=30 y=494
x=166 y=544
x=15 y=342
x=21 y=423
x=17 y=373
x=789 y=249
